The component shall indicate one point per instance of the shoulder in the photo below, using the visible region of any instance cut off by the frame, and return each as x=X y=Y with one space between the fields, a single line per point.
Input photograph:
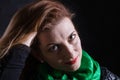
x=108 y=75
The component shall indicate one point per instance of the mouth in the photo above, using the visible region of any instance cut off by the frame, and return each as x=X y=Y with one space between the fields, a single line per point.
x=72 y=61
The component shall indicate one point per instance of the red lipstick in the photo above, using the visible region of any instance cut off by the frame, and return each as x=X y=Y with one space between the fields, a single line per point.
x=72 y=61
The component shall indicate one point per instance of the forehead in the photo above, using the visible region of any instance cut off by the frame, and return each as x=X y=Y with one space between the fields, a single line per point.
x=59 y=31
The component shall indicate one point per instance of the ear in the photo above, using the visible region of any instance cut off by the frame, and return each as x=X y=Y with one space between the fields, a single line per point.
x=37 y=56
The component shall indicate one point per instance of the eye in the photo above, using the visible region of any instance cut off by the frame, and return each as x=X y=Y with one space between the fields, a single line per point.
x=72 y=36
x=53 y=48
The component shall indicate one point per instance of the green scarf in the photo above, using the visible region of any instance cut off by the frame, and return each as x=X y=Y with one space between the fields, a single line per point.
x=89 y=70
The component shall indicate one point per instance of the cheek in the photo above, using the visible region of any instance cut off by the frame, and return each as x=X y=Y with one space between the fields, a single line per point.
x=78 y=44
x=54 y=62
x=50 y=59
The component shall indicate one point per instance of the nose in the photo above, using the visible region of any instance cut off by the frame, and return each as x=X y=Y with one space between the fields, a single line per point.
x=68 y=51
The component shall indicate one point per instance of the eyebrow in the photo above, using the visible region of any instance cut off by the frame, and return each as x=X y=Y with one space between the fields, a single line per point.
x=50 y=44
x=73 y=32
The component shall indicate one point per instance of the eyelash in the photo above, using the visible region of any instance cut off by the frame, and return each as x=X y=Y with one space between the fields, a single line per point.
x=53 y=50
x=71 y=38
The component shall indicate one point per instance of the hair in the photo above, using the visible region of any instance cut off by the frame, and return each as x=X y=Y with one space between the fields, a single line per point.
x=31 y=18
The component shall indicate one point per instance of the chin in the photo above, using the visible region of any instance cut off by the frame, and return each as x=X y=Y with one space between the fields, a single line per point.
x=76 y=66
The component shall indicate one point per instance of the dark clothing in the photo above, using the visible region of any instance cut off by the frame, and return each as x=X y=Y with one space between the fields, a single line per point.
x=108 y=75
x=11 y=66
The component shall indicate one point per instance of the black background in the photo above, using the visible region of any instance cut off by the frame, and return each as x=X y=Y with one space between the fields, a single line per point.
x=98 y=22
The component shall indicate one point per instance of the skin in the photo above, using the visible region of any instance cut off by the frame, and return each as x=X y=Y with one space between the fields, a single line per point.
x=61 y=46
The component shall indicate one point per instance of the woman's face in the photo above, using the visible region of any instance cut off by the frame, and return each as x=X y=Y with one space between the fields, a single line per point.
x=61 y=46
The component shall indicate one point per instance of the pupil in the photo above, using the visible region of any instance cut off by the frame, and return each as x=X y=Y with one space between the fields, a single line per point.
x=72 y=37
x=55 y=48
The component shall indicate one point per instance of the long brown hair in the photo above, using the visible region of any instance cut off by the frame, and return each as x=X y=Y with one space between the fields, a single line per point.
x=30 y=18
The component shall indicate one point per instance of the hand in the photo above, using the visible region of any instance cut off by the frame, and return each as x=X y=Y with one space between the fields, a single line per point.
x=28 y=38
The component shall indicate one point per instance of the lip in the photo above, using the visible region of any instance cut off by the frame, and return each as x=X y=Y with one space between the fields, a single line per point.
x=72 y=61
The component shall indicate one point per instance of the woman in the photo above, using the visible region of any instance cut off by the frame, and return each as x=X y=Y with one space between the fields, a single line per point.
x=42 y=39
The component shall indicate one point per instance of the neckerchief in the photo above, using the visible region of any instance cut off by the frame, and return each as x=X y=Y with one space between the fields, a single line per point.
x=89 y=70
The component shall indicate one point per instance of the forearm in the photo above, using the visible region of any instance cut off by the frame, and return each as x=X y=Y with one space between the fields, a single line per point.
x=15 y=63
